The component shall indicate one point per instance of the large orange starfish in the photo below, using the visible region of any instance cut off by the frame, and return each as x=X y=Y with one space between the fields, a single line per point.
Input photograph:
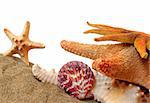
x=118 y=61
x=21 y=44
x=140 y=40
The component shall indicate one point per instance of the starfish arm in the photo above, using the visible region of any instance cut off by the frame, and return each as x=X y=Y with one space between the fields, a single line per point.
x=100 y=31
x=122 y=37
x=25 y=32
x=32 y=45
x=92 y=51
x=140 y=45
x=109 y=28
x=11 y=51
x=10 y=35
x=124 y=68
x=85 y=50
x=24 y=55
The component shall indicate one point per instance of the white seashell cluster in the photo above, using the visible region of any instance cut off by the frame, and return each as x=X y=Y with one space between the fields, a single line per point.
x=45 y=76
x=105 y=92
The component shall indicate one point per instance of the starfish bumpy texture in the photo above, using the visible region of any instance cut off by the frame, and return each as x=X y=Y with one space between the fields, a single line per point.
x=21 y=44
x=140 y=40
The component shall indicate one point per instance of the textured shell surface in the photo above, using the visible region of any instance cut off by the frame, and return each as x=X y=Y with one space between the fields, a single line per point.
x=77 y=79
x=105 y=92
x=43 y=75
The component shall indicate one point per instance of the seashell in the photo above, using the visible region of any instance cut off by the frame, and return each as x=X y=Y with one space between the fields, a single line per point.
x=43 y=75
x=77 y=79
x=108 y=91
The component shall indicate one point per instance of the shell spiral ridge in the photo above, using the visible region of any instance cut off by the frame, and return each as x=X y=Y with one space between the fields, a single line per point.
x=77 y=79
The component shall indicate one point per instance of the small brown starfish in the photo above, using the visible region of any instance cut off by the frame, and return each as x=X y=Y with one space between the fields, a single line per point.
x=21 y=44
x=140 y=40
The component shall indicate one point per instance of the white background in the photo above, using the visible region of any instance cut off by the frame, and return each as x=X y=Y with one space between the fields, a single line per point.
x=55 y=20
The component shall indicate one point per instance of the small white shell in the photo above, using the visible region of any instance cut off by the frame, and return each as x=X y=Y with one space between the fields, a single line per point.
x=43 y=75
x=106 y=93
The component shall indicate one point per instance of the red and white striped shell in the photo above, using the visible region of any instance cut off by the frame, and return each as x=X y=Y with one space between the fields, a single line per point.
x=77 y=79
